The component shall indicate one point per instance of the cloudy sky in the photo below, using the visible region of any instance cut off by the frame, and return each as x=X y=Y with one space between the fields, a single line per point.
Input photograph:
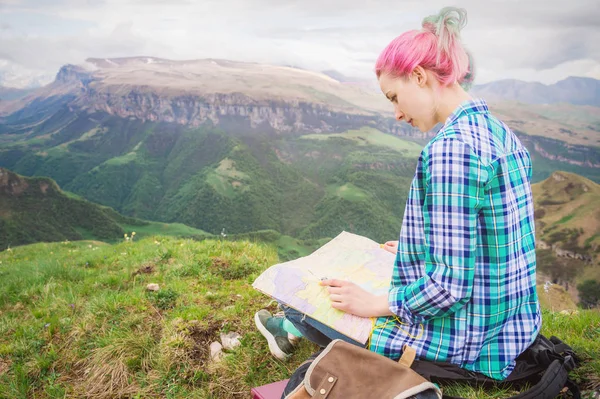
x=530 y=40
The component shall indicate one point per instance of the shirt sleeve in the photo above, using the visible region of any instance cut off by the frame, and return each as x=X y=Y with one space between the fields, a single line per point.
x=454 y=181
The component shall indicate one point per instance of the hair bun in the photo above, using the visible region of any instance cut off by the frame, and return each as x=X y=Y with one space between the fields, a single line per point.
x=449 y=20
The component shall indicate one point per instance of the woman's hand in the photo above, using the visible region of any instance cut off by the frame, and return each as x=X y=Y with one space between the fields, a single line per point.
x=350 y=298
x=391 y=246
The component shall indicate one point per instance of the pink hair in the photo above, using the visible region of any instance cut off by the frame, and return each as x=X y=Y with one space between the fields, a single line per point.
x=437 y=48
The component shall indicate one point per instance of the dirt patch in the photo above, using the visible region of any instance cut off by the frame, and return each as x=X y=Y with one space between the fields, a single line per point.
x=220 y=263
x=230 y=271
x=4 y=366
x=146 y=268
x=202 y=336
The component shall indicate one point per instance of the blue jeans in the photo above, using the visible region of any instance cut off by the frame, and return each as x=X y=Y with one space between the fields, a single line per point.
x=313 y=330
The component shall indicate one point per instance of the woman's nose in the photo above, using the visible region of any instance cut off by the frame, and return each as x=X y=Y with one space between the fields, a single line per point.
x=399 y=115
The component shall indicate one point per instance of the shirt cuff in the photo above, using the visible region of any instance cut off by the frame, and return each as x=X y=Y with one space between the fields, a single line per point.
x=397 y=305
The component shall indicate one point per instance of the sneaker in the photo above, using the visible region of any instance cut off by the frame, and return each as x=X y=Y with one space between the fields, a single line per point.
x=294 y=340
x=270 y=328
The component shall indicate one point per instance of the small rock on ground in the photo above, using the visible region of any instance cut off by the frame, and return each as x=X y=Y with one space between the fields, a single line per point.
x=230 y=340
x=152 y=287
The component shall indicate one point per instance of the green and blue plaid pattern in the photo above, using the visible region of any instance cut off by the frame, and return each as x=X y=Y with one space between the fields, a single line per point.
x=463 y=285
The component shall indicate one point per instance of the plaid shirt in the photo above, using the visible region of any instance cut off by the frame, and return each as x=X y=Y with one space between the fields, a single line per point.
x=463 y=285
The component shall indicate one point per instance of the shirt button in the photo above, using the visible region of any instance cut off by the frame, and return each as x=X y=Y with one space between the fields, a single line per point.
x=322 y=391
x=330 y=379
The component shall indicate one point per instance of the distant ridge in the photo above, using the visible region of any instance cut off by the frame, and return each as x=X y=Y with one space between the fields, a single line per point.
x=572 y=90
x=34 y=209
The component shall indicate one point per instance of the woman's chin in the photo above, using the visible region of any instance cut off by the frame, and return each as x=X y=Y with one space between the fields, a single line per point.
x=420 y=127
x=424 y=128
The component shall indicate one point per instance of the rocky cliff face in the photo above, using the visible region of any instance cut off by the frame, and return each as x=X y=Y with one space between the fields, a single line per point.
x=73 y=74
x=220 y=109
x=575 y=159
x=558 y=251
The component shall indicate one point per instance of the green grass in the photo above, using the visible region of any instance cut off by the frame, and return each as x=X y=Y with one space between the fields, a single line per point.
x=221 y=185
x=590 y=239
x=227 y=180
x=566 y=218
x=348 y=191
x=122 y=160
x=76 y=320
x=370 y=136
x=167 y=229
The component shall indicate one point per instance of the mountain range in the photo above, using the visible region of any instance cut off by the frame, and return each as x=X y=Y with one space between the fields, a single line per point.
x=572 y=90
x=217 y=144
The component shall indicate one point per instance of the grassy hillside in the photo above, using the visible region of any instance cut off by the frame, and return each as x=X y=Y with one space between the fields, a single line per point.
x=573 y=124
x=35 y=209
x=76 y=320
x=568 y=219
x=566 y=202
x=211 y=179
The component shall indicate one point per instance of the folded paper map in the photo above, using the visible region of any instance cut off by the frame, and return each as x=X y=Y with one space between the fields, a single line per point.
x=347 y=257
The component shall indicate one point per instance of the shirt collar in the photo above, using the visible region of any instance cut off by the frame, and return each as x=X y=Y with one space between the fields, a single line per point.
x=473 y=106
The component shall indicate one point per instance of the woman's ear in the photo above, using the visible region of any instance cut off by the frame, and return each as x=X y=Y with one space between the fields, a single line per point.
x=420 y=76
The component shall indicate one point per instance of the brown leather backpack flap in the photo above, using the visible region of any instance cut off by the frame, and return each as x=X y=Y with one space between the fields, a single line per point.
x=345 y=371
x=299 y=393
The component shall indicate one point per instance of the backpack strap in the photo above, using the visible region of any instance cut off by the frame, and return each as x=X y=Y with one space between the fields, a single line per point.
x=545 y=366
x=552 y=383
x=554 y=380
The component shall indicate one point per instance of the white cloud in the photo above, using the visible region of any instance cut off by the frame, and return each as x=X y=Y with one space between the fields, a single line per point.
x=528 y=40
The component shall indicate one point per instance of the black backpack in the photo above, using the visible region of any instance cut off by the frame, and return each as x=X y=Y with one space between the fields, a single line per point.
x=541 y=372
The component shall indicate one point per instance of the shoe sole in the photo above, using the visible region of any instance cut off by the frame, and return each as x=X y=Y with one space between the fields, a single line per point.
x=273 y=347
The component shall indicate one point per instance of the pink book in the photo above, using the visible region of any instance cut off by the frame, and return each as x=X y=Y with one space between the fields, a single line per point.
x=269 y=391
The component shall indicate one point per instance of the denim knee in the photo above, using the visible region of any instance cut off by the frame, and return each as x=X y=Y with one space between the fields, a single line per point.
x=310 y=329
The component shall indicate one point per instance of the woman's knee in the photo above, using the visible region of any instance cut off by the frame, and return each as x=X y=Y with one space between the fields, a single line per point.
x=292 y=314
